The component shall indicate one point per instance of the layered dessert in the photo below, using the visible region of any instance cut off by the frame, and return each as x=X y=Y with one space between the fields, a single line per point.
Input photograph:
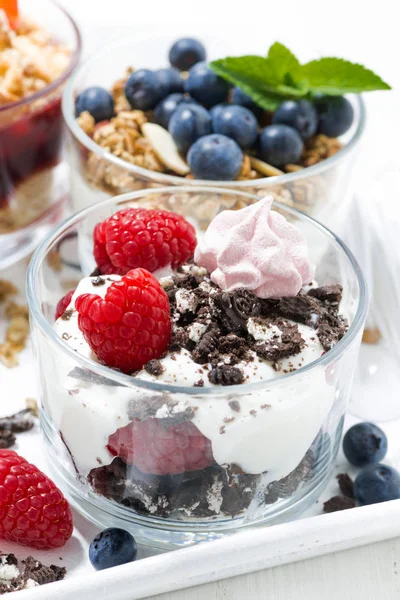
x=209 y=420
x=31 y=64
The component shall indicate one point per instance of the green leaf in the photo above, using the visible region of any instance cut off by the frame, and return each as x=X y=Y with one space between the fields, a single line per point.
x=336 y=76
x=256 y=77
x=283 y=62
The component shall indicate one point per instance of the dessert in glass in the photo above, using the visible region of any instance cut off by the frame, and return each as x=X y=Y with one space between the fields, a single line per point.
x=132 y=127
x=196 y=353
x=39 y=48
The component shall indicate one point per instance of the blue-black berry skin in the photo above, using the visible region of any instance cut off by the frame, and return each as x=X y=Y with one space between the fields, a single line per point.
x=205 y=85
x=335 y=114
x=280 y=145
x=237 y=123
x=218 y=108
x=97 y=101
x=187 y=124
x=215 y=157
x=112 y=547
x=171 y=80
x=185 y=53
x=299 y=114
x=166 y=108
x=364 y=443
x=143 y=89
x=377 y=483
x=242 y=99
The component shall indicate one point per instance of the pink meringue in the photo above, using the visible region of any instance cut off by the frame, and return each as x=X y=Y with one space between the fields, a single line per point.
x=256 y=249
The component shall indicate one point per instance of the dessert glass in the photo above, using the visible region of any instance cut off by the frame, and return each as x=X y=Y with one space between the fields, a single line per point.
x=33 y=179
x=321 y=191
x=83 y=402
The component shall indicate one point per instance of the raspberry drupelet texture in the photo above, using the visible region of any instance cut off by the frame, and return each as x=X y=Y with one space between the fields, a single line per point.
x=131 y=325
x=154 y=448
x=63 y=304
x=33 y=511
x=136 y=237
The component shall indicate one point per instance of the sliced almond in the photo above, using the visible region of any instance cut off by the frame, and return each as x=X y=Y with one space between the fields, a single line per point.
x=164 y=146
x=265 y=168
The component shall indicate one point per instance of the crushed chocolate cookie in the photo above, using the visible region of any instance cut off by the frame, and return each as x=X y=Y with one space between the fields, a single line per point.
x=98 y=281
x=7 y=439
x=67 y=314
x=207 y=346
x=96 y=273
x=199 y=383
x=235 y=308
x=85 y=375
x=31 y=573
x=235 y=405
x=226 y=375
x=289 y=343
x=329 y=294
x=302 y=309
x=329 y=334
x=232 y=344
x=285 y=487
x=18 y=423
x=154 y=367
x=346 y=485
x=338 y=503
x=34 y=569
x=149 y=407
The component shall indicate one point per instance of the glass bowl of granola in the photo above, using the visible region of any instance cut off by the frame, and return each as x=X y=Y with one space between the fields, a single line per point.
x=124 y=148
x=204 y=408
x=39 y=50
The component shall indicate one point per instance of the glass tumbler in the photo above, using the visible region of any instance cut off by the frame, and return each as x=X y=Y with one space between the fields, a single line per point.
x=293 y=419
x=33 y=179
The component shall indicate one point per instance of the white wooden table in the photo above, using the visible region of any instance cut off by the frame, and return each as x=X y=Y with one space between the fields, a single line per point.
x=350 y=29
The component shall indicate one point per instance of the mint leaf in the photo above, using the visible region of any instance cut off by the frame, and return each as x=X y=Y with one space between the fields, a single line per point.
x=283 y=61
x=257 y=77
x=336 y=76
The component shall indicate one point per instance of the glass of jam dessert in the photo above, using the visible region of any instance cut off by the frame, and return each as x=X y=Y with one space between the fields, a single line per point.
x=39 y=49
x=118 y=147
x=196 y=351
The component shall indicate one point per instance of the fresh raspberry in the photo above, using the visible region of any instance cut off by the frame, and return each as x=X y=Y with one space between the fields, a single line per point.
x=154 y=448
x=137 y=237
x=131 y=325
x=63 y=304
x=33 y=511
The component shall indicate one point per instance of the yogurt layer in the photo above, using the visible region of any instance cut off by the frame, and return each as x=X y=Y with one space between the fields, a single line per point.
x=264 y=430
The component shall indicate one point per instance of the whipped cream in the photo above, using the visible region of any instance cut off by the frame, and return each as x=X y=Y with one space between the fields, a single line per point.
x=256 y=249
x=268 y=430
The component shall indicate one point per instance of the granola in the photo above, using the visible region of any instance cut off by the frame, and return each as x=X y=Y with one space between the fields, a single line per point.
x=17 y=331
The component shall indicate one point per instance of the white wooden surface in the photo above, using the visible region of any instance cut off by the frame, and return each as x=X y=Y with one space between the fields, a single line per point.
x=354 y=30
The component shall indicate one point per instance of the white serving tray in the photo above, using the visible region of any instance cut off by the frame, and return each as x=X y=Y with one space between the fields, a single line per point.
x=312 y=534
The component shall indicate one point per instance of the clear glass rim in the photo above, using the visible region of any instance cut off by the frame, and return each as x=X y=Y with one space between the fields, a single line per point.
x=68 y=108
x=40 y=254
x=64 y=76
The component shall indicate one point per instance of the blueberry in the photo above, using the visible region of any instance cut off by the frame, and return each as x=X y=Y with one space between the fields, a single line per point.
x=299 y=114
x=238 y=123
x=143 y=89
x=239 y=97
x=171 y=80
x=280 y=145
x=364 y=443
x=215 y=157
x=165 y=109
x=185 y=53
x=188 y=123
x=205 y=86
x=112 y=547
x=335 y=114
x=97 y=101
x=377 y=483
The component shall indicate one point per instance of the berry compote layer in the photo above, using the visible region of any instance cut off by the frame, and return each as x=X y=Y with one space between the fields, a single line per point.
x=30 y=120
x=207 y=443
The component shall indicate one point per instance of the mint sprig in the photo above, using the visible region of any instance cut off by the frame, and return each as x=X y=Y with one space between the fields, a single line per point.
x=278 y=76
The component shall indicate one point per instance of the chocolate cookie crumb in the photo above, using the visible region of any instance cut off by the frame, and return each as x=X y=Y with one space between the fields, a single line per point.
x=97 y=281
x=40 y=573
x=330 y=294
x=199 y=383
x=226 y=375
x=96 y=272
x=338 y=503
x=235 y=405
x=346 y=485
x=154 y=367
x=7 y=439
x=67 y=314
